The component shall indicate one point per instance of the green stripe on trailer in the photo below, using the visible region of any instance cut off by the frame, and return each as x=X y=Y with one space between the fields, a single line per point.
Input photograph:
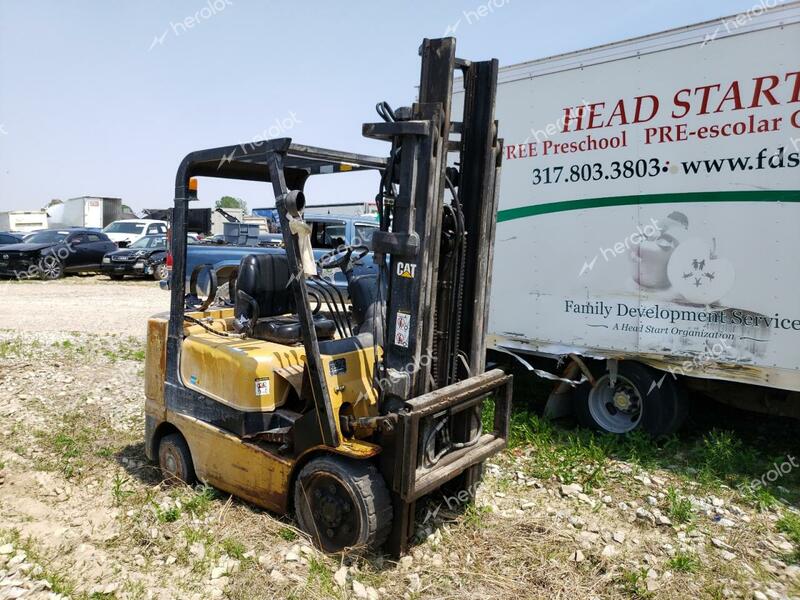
x=567 y=205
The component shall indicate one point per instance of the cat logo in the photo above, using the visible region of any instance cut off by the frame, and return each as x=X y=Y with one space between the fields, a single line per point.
x=407 y=270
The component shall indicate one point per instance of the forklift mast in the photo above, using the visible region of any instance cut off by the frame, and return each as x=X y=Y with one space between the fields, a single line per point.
x=440 y=254
x=437 y=208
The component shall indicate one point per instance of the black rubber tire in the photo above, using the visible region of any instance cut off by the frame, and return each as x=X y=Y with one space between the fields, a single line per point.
x=680 y=399
x=366 y=491
x=175 y=460
x=116 y=277
x=664 y=404
x=51 y=268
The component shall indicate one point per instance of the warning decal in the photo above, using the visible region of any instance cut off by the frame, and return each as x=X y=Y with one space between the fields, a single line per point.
x=262 y=387
x=402 y=329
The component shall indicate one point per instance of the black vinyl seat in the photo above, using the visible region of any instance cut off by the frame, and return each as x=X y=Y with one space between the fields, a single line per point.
x=264 y=301
x=363 y=290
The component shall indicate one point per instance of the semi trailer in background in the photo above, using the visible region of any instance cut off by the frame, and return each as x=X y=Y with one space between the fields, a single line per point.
x=649 y=226
x=93 y=212
x=23 y=220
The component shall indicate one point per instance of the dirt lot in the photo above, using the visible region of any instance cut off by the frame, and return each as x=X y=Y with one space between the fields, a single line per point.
x=87 y=304
x=562 y=514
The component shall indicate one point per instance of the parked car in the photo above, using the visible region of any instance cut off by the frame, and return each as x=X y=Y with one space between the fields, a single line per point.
x=9 y=237
x=52 y=253
x=146 y=257
x=125 y=232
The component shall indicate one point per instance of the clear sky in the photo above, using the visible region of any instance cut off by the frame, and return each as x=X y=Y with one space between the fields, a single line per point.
x=106 y=97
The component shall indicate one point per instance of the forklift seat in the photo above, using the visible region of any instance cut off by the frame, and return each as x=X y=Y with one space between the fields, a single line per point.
x=264 y=298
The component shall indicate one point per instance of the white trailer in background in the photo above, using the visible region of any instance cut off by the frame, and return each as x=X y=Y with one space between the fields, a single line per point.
x=648 y=236
x=86 y=211
x=23 y=220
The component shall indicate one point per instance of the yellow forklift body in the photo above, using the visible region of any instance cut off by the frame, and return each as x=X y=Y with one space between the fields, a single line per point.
x=231 y=369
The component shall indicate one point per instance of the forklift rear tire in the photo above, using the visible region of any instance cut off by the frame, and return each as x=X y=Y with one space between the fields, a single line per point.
x=175 y=460
x=342 y=504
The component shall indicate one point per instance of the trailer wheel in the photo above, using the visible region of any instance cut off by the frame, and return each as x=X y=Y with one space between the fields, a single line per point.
x=175 y=460
x=641 y=399
x=342 y=504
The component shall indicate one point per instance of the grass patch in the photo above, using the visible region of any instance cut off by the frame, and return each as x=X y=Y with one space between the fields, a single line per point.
x=118 y=489
x=234 y=548
x=679 y=509
x=59 y=580
x=201 y=501
x=789 y=524
x=168 y=515
x=287 y=534
x=634 y=584
x=12 y=348
x=320 y=578
x=684 y=562
x=70 y=446
x=729 y=451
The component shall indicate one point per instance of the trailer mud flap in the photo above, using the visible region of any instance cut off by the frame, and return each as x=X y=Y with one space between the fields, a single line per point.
x=426 y=459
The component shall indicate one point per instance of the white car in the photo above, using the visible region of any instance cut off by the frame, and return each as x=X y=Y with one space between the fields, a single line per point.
x=127 y=231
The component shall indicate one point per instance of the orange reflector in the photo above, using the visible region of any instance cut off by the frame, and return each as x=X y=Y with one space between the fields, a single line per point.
x=193 y=184
x=345 y=167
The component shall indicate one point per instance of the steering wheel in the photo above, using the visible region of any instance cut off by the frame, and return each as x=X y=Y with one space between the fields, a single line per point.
x=342 y=256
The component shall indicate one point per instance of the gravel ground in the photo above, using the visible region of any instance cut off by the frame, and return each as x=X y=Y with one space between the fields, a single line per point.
x=88 y=304
x=562 y=514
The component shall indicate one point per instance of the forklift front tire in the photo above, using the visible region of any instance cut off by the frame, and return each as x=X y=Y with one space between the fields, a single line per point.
x=175 y=460
x=342 y=504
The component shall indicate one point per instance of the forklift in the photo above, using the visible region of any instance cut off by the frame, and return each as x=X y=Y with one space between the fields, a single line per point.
x=345 y=409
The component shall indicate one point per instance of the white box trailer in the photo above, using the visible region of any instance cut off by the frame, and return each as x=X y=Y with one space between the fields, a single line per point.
x=650 y=215
x=23 y=220
x=86 y=211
